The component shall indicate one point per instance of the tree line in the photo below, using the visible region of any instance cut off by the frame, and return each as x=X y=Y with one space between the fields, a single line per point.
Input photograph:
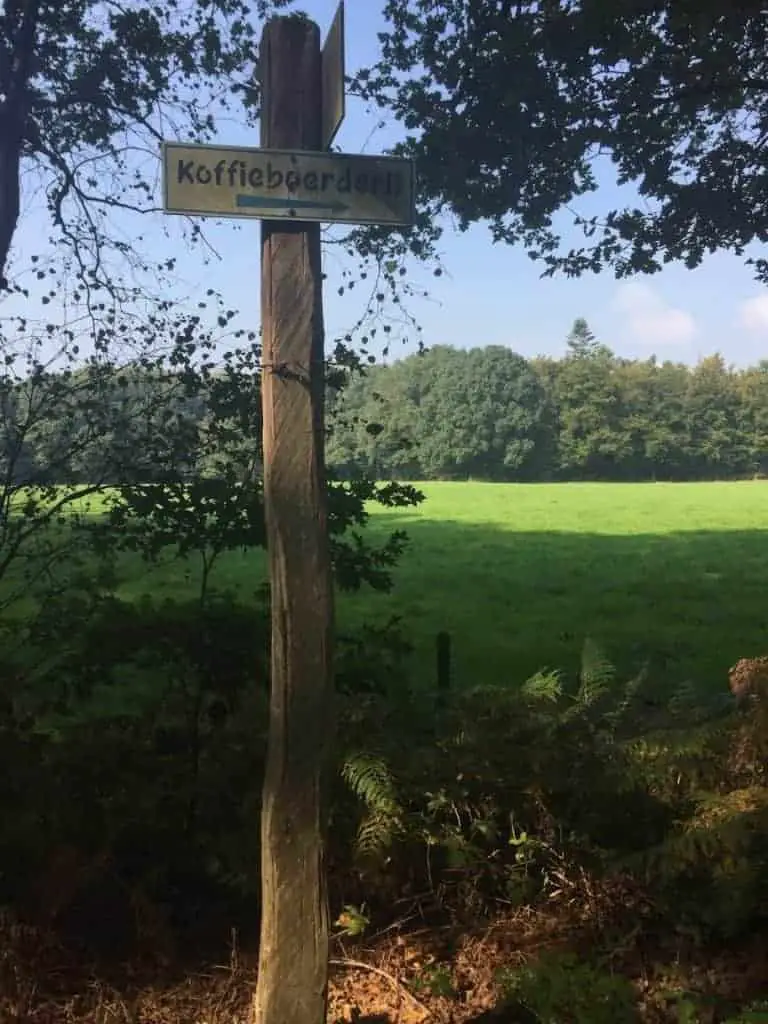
x=444 y=414
x=490 y=414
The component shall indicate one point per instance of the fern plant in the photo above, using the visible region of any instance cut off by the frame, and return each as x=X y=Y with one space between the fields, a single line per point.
x=369 y=778
x=596 y=676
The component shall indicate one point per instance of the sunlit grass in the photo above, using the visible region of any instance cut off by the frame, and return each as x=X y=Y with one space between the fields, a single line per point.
x=672 y=574
x=519 y=574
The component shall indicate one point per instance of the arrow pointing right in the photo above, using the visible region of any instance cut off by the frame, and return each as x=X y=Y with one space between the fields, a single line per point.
x=273 y=203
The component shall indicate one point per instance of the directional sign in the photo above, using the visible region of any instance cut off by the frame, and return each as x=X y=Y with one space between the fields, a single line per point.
x=273 y=184
x=332 y=66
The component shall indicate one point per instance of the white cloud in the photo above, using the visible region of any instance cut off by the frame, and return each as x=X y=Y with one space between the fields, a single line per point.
x=649 y=320
x=753 y=314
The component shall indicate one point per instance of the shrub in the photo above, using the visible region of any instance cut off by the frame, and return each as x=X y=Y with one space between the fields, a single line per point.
x=559 y=988
x=510 y=794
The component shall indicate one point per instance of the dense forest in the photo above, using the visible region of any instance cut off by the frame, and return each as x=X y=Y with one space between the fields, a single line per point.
x=488 y=413
x=484 y=413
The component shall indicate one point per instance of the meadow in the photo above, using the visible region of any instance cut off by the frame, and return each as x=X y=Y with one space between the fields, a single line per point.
x=672 y=576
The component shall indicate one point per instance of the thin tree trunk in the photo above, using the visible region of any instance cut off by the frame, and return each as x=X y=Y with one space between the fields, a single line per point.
x=10 y=160
x=17 y=53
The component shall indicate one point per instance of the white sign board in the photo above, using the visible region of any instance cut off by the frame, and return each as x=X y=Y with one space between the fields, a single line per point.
x=271 y=184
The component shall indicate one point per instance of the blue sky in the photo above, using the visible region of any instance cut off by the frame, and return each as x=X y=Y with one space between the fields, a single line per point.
x=490 y=293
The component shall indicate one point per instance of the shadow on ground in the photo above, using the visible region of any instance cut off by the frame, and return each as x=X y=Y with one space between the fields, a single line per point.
x=688 y=603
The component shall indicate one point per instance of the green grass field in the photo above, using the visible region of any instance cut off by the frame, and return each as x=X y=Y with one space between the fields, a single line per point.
x=672 y=574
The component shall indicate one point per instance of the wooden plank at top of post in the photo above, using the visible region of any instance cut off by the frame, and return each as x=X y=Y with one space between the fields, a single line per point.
x=293 y=956
x=332 y=59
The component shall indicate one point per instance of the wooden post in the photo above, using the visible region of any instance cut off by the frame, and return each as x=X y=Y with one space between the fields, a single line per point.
x=293 y=955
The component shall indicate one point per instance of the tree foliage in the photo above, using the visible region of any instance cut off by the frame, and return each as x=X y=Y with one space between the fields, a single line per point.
x=514 y=110
x=488 y=413
x=448 y=413
x=180 y=424
x=88 y=88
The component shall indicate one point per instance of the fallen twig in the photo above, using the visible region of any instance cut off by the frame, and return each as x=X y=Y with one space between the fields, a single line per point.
x=398 y=985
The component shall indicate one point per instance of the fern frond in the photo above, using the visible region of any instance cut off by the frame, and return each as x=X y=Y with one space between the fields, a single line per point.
x=376 y=833
x=371 y=781
x=543 y=686
x=627 y=700
x=685 y=699
x=597 y=674
x=721 y=832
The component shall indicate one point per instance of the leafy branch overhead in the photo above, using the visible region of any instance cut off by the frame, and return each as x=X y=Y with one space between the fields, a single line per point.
x=88 y=88
x=515 y=111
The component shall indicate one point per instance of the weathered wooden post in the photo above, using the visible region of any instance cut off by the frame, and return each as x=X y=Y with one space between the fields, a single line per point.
x=293 y=952
x=293 y=183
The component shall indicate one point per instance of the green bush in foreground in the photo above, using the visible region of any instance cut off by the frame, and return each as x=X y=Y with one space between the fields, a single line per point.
x=560 y=988
x=509 y=794
x=543 y=794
